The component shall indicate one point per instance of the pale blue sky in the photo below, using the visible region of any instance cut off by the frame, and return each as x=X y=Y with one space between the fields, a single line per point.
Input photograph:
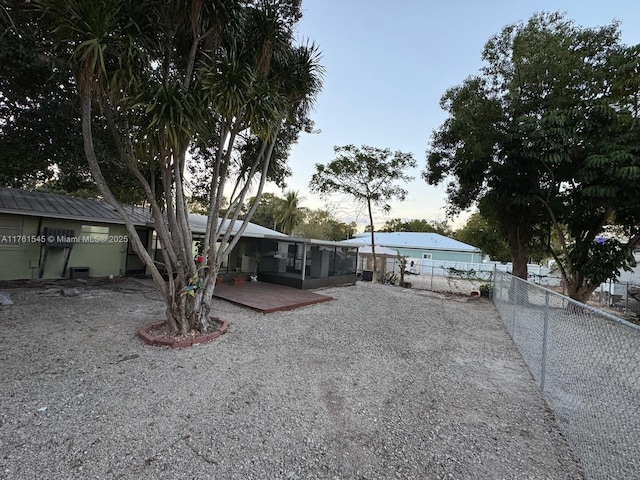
x=389 y=62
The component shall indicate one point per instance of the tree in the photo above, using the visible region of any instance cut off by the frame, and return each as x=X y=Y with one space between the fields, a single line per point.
x=37 y=127
x=368 y=175
x=415 y=225
x=603 y=193
x=40 y=134
x=223 y=76
x=481 y=233
x=532 y=139
x=322 y=225
x=267 y=210
x=290 y=214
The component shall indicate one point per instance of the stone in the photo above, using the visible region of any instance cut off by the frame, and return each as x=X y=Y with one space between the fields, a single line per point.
x=5 y=299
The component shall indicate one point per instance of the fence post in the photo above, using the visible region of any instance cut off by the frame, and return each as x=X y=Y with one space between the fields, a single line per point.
x=626 y=299
x=543 y=366
x=492 y=282
x=514 y=285
x=431 y=287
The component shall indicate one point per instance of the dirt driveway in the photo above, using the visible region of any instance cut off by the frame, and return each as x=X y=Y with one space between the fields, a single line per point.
x=382 y=382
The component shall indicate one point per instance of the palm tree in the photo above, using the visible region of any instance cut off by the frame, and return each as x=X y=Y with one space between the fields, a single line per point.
x=290 y=214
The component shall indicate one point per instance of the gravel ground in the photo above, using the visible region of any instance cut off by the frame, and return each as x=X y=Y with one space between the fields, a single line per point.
x=383 y=382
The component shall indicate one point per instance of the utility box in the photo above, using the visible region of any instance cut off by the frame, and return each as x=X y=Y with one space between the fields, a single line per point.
x=79 y=272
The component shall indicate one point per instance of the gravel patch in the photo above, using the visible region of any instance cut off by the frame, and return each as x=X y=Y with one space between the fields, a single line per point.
x=383 y=382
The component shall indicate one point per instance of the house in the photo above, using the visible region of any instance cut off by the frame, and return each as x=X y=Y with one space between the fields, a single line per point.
x=286 y=260
x=43 y=235
x=422 y=248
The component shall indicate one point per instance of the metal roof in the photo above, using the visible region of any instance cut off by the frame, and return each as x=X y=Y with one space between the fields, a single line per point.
x=418 y=240
x=38 y=204
x=198 y=224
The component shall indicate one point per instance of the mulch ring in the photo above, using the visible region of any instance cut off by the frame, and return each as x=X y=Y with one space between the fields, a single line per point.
x=159 y=334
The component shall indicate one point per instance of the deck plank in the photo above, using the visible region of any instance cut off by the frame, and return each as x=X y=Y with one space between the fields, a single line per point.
x=268 y=297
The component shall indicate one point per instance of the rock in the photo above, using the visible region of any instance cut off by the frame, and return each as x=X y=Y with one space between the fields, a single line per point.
x=5 y=299
x=70 y=292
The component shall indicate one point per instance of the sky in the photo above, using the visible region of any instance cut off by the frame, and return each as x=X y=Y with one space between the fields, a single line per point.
x=388 y=63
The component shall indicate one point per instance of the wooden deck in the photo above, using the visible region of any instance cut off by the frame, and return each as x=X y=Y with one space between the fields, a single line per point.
x=268 y=297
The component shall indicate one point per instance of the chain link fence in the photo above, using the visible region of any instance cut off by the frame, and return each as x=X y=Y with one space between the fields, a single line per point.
x=447 y=276
x=587 y=364
x=623 y=297
x=457 y=278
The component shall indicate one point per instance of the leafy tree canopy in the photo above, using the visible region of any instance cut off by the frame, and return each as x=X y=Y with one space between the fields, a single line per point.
x=479 y=232
x=266 y=212
x=323 y=225
x=40 y=134
x=415 y=225
x=319 y=224
x=370 y=176
x=543 y=140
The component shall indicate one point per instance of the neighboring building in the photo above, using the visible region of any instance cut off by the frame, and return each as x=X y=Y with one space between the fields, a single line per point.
x=386 y=259
x=44 y=235
x=631 y=277
x=423 y=246
x=624 y=291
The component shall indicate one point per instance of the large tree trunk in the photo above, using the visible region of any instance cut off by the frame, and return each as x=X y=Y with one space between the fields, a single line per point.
x=518 y=251
x=579 y=291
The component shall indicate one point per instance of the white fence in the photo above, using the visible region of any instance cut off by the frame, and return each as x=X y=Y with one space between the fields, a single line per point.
x=480 y=271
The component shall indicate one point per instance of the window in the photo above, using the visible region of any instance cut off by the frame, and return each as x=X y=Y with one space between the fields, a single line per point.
x=10 y=230
x=97 y=234
x=426 y=256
